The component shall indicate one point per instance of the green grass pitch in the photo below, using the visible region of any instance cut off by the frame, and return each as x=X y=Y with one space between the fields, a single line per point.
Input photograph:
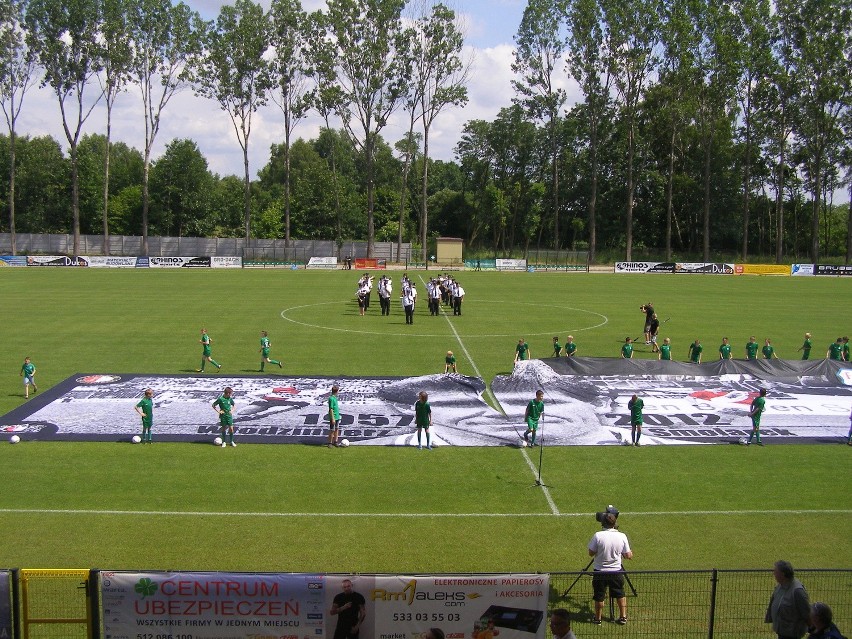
x=375 y=509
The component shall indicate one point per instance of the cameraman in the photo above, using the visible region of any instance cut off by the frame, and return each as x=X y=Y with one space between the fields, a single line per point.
x=648 y=309
x=607 y=547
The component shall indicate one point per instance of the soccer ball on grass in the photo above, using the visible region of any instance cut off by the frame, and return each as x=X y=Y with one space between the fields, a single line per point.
x=344 y=443
x=217 y=441
x=522 y=443
x=136 y=439
x=14 y=439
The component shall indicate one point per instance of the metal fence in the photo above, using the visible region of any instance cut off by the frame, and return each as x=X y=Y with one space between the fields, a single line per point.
x=253 y=250
x=726 y=604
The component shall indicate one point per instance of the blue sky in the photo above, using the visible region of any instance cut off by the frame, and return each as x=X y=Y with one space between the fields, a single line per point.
x=489 y=27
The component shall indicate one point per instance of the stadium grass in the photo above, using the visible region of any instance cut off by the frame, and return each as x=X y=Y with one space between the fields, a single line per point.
x=376 y=509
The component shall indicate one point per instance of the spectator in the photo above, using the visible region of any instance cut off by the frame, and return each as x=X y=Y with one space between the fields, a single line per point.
x=607 y=547
x=821 y=624
x=789 y=610
x=560 y=624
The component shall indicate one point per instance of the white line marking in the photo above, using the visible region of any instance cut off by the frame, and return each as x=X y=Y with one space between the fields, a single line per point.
x=179 y=513
x=553 y=508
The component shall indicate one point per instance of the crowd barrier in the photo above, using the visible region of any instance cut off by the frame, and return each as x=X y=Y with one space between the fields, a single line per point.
x=98 y=604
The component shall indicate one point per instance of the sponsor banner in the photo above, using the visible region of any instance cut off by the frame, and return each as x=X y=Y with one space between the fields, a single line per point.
x=704 y=268
x=510 y=265
x=484 y=265
x=508 y=606
x=191 y=605
x=586 y=401
x=322 y=262
x=179 y=262
x=802 y=269
x=56 y=260
x=644 y=267
x=761 y=269
x=832 y=269
x=6 y=627
x=226 y=262
x=369 y=263
x=13 y=260
x=110 y=261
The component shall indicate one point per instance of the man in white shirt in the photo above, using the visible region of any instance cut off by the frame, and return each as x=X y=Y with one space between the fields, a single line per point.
x=608 y=547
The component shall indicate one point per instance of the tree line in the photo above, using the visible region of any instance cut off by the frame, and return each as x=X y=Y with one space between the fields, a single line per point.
x=701 y=125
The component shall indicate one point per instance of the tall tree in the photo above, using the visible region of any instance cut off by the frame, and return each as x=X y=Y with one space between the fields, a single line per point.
x=373 y=64
x=17 y=76
x=539 y=49
x=235 y=72
x=290 y=65
x=632 y=32
x=64 y=37
x=164 y=38
x=587 y=64
x=754 y=19
x=820 y=49
x=439 y=78
x=116 y=73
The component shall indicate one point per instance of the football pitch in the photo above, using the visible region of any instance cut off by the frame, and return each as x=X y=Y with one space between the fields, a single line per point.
x=187 y=506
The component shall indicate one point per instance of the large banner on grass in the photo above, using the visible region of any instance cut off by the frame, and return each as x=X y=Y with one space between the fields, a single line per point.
x=153 y=605
x=585 y=398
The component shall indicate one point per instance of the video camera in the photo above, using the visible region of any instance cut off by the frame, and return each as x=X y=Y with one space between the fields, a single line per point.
x=610 y=510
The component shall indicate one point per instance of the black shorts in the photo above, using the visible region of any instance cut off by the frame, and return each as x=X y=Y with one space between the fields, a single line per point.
x=603 y=580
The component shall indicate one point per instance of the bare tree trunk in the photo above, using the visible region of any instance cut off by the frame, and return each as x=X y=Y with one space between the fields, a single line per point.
x=12 y=142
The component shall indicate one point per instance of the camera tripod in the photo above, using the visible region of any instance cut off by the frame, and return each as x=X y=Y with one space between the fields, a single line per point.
x=586 y=569
x=540 y=455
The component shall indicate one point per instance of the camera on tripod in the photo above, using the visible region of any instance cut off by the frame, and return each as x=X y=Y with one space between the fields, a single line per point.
x=610 y=510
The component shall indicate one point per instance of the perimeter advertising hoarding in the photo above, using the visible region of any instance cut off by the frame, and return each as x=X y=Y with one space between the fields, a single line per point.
x=644 y=267
x=140 y=605
x=832 y=269
x=762 y=269
x=510 y=265
x=5 y=604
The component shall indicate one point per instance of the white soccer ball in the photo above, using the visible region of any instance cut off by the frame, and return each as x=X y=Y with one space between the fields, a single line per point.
x=136 y=439
x=14 y=439
x=522 y=443
x=743 y=441
x=217 y=441
x=344 y=443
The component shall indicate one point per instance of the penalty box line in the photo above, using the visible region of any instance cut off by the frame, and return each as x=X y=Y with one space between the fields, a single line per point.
x=196 y=513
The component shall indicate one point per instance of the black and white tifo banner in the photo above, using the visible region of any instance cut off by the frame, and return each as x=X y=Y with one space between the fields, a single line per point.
x=585 y=404
x=289 y=605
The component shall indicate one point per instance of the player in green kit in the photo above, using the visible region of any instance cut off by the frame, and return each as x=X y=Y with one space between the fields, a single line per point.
x=423 y=419
x=751 y=348
x=695 y=351
x=264 y=351
x=522 y=351
x=806 y=347
x=450 y=363
x=757 y=408
x=333 y=416
x=224 y=405
x=835 y=351
x=206 y=352
x=627 y=349
x=665 y=350
x=725 y=349
x=570 y=346
x=534 y=411
x=635 y=406
x=768 y=350
x=28 y=373
x=557 y=347
x=145 y=408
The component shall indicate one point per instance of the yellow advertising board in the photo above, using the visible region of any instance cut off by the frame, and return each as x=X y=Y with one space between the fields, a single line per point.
x=761 y=269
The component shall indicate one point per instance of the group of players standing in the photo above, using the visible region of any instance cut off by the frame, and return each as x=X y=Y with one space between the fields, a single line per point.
x=439 y=290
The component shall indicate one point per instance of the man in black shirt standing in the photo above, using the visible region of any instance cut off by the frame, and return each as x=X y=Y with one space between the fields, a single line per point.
x=350 y=608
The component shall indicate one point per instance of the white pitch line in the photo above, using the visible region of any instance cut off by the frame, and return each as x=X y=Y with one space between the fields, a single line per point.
x=553 y=509
x=180 y=513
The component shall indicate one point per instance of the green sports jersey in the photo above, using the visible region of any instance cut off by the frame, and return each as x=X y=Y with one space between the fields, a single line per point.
x=557 y=348
x=522 y=350
x=666 y=352
x=334 y=407
x=205 y=344
x=28 y=369
x=422 y=411
x=695 y=352
x=835 y=351
x=226 y=405
x=757 y=408
x=147 y=406
x=725 y=351
x=264 y=343
x=627 y=351
x=751 y=350
x=806 y=349
x=767 y=351
x=535 y=409
x=450 y=359
x=570 y=348
x=636 y=410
